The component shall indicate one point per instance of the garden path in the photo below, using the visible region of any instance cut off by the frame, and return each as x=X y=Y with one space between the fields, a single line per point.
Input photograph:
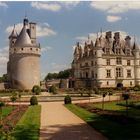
x=58 y=123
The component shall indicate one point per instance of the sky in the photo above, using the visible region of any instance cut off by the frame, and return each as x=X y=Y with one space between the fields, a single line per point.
x=60 y=24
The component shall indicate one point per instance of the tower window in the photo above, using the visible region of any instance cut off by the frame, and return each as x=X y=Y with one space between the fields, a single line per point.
x=22 y=49
x=130 y=83
x=14 y=49
x=30 y=48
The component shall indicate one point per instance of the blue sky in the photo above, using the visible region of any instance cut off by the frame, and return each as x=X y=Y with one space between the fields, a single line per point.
x=62 y=24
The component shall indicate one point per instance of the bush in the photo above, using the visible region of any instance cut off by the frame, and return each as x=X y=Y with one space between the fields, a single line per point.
x=53 y=89
x=36 y=89
x=67 y=99
x=96 y=91
x=33 y=100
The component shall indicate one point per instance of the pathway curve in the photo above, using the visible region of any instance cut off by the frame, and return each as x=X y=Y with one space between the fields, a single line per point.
x=58 y=123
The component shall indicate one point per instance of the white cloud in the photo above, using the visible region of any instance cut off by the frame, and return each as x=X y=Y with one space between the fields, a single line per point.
x=3 y=60
x=3 y=4
x=115 y=6
x=54 y=6
x=113 y=18
x=42 y=30
x=69 y=4
x=46 y=6
x=59 y=67
x=46 y=49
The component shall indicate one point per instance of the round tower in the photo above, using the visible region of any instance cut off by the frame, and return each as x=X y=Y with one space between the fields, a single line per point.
x=24 y=60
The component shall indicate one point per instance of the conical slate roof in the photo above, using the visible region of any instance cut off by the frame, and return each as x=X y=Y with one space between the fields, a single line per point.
x=23 y=38
x=13 y=34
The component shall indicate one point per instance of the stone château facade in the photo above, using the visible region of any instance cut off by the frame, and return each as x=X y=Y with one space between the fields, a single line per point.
x=23 y=67
x=109 y=62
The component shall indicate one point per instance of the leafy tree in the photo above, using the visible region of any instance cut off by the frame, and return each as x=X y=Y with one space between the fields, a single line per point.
x=36 y=89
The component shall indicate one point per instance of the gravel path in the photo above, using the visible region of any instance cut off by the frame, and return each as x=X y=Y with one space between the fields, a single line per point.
x=58 y=123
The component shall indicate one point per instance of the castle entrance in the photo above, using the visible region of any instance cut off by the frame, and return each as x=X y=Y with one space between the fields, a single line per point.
x=119 y=85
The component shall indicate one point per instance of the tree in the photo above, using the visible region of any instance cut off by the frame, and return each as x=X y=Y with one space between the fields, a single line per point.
x=109 y=94
x=103 y=95
x=53 y=89
x=126 y=97
x=36 y=89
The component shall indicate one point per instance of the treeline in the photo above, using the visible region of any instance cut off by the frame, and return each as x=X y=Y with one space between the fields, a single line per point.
x=4 y=78
x=61 y=75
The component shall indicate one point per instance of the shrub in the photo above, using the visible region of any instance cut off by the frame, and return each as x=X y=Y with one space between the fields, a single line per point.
x=96 y=91
x=53 y=89
x=36 y=89
x=33 y=100
x=67 y=99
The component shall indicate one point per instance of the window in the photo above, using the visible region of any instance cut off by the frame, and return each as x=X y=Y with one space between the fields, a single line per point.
x=92 y=74
x=30 y=48
x=91 y=63
x=107 y=61
x=118 y=60
x=107 y=83
x=130 y=83
x=108 y=73
x=128 y=73
x=107 y=50
x=95 y=63
x=95 y=53
x=86 y=64
x=80 y=75
x=22 y=49
x=119 y=72
x=127 y=52
x=128 y=62
x=118 y=51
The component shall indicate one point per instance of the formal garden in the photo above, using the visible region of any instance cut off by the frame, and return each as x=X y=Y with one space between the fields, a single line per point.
x=118 y=120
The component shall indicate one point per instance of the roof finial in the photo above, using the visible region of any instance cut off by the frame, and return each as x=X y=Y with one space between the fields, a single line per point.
x=101 y=31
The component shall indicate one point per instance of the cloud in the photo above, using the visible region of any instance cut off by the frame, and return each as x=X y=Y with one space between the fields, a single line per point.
x=42 y=30
x=3 y=60
x=46 y=6
x=3 y=4
x=46 y=49
x=54 y=6
x=58 y=67
x=113 y=18
x=69 y=4
x=115 y=7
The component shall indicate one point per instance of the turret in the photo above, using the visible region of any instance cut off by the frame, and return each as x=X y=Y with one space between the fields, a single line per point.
x=13 y=37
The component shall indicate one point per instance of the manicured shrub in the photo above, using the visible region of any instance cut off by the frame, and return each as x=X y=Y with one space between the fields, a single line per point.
x=33 y=100
x=67 y=99
x=36 y=89
x=53 y=89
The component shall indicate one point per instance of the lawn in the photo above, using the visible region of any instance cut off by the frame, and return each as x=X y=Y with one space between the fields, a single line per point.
x=6 y=110
x=28 y=126
x=110 y=128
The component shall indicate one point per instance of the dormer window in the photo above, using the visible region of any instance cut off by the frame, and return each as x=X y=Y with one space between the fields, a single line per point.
x=128 y=52
x=118 y=51
x=107 y=50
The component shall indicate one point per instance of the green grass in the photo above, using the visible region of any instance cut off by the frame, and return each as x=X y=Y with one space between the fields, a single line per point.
x=28 y=126
x=6 y=110
x=109 y=128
